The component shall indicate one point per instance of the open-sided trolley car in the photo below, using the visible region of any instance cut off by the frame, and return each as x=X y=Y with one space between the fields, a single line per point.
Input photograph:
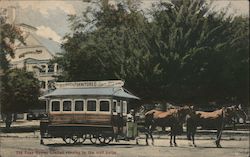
x=94 y=110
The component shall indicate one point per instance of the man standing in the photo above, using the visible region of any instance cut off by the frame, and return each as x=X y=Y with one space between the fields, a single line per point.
x=131 y=125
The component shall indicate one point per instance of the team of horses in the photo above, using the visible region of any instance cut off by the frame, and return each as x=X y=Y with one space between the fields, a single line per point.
x=176 y=117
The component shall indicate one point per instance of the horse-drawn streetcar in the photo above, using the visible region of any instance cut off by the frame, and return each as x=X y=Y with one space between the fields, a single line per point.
x=95 y=110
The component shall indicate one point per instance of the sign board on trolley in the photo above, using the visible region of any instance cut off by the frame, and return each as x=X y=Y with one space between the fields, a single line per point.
x=90 y=84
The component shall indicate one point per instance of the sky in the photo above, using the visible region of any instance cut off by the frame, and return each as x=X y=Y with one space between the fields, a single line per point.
x=50 y=17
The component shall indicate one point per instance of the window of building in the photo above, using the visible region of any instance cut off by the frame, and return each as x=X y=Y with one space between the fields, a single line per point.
x=67 y=105
x=42 y=84
x=79 y=105
x=50 y=68
x=55 y=106
x=43 y=69
x=91 y=105
x=104 y=106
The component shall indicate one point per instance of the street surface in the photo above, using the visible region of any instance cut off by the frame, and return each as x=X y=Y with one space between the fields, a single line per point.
x=28 y=145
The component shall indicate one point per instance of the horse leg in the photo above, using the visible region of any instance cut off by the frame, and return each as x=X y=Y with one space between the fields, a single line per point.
x=151 y=136
x=191 y=138
x=175 y=144
x=173 y=133
x=191 y=129
x=150 y=131
x=171 y=136
x=146 y=138
x=217 y=142
x=194 y=145
x=147 y=131
x=189 y=134
x=193 y=134
x=171 y=144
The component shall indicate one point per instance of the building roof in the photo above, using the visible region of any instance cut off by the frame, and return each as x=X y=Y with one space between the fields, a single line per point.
x=35 y=61
x=27 y=26
x=52 y=46
x=98 y=91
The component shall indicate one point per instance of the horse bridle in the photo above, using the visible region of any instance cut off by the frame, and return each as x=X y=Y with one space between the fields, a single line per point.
x=178 y=115
x=226 y=115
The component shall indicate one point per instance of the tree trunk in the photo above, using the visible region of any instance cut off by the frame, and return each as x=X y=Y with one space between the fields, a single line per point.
x=8 y=120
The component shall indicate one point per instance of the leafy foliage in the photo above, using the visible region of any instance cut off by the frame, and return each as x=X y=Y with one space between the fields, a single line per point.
x=183 y=52
x=8 y=33
x=19 y=89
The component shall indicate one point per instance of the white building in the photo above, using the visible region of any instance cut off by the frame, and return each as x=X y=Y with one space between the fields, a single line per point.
x=35 y=55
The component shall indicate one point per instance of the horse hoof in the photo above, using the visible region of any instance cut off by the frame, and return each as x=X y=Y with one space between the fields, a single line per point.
x=152 y=143
x=175 y=145
x=219 y=146
x=171 y=145
x=194 y=145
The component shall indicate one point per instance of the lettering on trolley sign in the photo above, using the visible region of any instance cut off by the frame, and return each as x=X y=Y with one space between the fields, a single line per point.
x=89 y=84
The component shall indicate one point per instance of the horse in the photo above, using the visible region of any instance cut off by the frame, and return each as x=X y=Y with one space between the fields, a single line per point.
x=172 y=118
x=216 y=119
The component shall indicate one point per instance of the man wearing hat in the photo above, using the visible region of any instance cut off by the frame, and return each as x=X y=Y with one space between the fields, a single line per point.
x=131 y=133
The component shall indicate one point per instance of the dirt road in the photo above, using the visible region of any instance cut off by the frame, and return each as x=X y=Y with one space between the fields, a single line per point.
x=30 y=147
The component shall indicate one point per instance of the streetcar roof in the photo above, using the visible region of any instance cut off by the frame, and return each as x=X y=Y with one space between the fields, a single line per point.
x=98 y=91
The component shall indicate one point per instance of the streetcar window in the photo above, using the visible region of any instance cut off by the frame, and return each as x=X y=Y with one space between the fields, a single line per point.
x=104 y=106
x=67 y=105
x=124 y=105
x=91 y=105
x=118 y=107
x=114 y=107
x=55 y=106
x=79 y=105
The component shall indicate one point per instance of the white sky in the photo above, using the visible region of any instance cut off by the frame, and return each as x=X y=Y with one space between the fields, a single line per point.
x=241 y=6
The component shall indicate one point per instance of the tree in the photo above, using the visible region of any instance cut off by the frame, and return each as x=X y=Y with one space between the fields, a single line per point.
x=183 y=53
x=8 y=33
x=20 y=93
x=19 y=89
x=196 y=48
x=114 y=46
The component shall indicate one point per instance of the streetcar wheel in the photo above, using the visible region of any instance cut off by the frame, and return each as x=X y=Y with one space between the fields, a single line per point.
x=81 y=138
x=70 y=139
x=105 y=140
x=74 y=139
x=93 y=138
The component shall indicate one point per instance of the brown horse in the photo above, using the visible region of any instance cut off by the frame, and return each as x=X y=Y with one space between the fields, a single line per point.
x=216 y=119
x=172 y=118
